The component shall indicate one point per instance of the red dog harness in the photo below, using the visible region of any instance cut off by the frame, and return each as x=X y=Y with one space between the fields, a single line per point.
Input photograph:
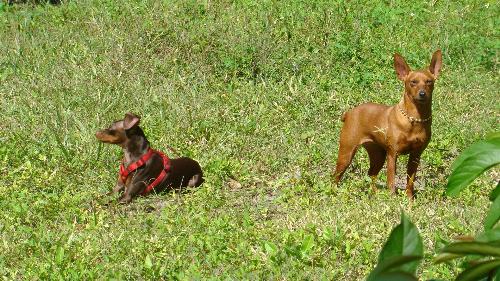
x=125 y=172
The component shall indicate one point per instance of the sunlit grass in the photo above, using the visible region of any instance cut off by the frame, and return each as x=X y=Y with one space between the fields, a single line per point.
x=252 y=90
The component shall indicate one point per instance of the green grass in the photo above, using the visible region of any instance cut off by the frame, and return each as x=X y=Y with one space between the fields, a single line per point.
x=254 y=91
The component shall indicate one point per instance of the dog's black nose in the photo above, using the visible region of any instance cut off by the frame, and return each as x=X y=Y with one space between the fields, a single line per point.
x=421 y=94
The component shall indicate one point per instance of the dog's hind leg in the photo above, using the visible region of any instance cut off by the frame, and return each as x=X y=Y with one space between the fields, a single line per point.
x=196 y=180
x=346 y=154
x=377 y=155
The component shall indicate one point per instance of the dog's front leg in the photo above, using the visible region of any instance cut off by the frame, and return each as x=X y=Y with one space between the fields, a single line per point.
x=391 y=171
x=411 y=171
x=132 y=191
x=119 y=186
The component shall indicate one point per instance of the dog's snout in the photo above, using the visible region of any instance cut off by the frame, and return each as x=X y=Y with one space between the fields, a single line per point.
x=421 y=93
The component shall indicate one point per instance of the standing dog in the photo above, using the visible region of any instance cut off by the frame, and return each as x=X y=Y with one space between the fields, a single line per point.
x=144 y=169
x=388 y=131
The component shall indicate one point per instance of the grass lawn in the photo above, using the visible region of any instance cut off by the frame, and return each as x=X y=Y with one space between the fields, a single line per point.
x=254 y=91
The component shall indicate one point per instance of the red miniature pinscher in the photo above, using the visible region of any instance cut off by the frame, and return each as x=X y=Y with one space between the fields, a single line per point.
x=388 y=131
x=144 y=169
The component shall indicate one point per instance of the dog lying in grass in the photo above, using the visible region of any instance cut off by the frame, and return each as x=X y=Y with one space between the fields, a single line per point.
x=144 y=169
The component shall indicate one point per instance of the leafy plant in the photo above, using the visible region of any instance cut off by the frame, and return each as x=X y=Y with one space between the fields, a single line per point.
x=472 y=162
x=400 y=255
x=483 y=252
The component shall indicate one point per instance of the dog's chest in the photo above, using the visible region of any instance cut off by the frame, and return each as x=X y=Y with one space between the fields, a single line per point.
x=413 y=141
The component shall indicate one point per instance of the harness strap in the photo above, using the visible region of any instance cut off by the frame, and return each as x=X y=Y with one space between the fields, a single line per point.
x=163 y=174
x=125 y=172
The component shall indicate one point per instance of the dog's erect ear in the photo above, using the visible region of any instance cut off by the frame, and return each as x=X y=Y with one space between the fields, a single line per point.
x=402 y=69
x=130 y=121
x=436 y=63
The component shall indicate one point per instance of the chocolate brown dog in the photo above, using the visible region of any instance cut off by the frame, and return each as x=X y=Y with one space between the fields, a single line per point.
x=144 y=169
x=388 y=131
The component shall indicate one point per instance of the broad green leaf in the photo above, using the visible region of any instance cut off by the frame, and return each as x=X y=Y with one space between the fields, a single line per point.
x=497 y=275
x=404 y=240
x=307 y=244
x=270 y=248
x=479 y=270
x=480 y=156
x=446 y=257
x=494 y=135
x=493 y=214
x=492 y=235
x=395 y=276
x=473 y=248
x=474 y=148
x=495 y=192
x=148 y=263
x=59 y=255
x=390 y=264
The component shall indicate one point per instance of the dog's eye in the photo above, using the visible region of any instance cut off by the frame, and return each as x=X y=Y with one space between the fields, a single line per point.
x=428 y=82
x=413 y=82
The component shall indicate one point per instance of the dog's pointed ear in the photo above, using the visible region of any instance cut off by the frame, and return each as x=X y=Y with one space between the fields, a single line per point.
x=402 y=69
x=436 y=63
x=130 y=121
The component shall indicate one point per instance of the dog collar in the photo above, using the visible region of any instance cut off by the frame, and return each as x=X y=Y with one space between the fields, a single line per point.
x=413 y=119
x=125 y=172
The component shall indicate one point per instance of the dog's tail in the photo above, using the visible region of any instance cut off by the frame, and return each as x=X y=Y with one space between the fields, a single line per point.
x=343 y=116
